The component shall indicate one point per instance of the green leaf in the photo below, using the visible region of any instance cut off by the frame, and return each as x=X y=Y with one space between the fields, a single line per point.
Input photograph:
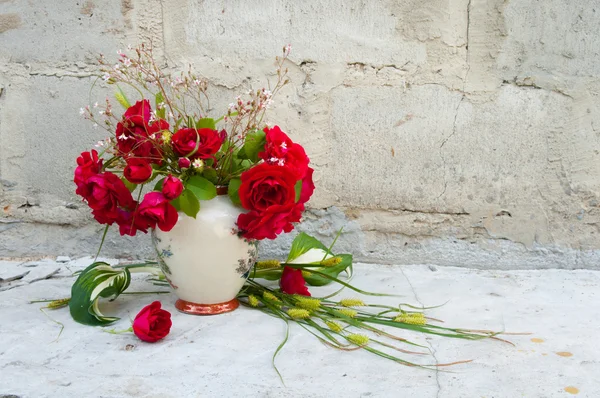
x=201 y=187
x=158 y=98
x=159 y=184
x=97 y=280
x=130 y=185
x=187 y=202
x=298 y=188
x=122 y=99
x=210 y=174
x=234 y=187
x=255 y=143
x=206 y=123
x=302 y=244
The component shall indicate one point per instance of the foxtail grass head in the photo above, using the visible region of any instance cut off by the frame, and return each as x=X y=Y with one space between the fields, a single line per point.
x=358 y=339
x=298 y=313
x=352 y=302
x=411 y=318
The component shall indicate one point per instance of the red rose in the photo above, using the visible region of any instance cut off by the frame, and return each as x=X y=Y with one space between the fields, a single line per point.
x=105 y=193
x=265 y=185
x=186 y=140
x=268 y=224
x=139 y=113
x=152 y=323
x=308 y=186
x=88 y=165
x=137 y=171
x=172 y=187
x=130 y=222
x=281 y=151
x=155 y=210
x=136 y=137
x=184 y=163
x=292 y=282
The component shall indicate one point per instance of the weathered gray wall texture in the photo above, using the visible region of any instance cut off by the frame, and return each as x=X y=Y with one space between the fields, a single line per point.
x=454 y=132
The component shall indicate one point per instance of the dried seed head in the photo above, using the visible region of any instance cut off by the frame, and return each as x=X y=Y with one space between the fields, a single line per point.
x=412 y=318
x=310 y=304
x=270 y=296
x=352 y=302
x=331 y=261
x=253 y=300
x=347 y=312
x=266 y=264
x=358 y=339
x=298 y=313
x=336 y=327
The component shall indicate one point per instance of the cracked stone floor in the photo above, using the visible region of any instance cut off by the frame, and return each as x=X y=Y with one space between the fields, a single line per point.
x=230 y=355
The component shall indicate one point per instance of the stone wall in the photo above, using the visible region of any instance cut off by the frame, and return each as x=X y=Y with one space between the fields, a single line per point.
x=456 y=132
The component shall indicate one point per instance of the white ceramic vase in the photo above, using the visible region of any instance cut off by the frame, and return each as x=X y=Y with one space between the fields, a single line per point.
x=204 y=260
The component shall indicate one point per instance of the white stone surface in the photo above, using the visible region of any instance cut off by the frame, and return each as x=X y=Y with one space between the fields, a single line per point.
x=230 y=355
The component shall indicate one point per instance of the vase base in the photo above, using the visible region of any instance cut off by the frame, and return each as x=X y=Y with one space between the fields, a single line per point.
x=188 y=307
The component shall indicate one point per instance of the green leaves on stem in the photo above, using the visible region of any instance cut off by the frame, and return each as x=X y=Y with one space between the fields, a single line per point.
x=196 y=188
x=101 y=280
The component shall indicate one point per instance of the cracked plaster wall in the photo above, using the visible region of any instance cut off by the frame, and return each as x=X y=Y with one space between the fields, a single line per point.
x=456 y=132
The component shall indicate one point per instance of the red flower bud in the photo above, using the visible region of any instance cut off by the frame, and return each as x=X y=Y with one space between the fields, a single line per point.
x=184 y=163
x=137 y=171
x=172 y=187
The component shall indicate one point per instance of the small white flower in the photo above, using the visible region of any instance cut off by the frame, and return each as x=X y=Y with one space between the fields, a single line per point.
x=283 y=145
x=273 y=160
x=81 y=111
x=123 y=137
x=116 y=67
x=119 y=52
x=95 y=105
x=198 y=163
x=281 y=162
x=105 y=77
x=171 y=115
x=129 y=47
x=197 y=82
x=99 y=144
x=127 y=62
x=288 y=49
x=101 y=112
x=95 y=125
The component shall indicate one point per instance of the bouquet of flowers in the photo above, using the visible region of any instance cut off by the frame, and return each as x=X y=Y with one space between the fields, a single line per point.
x=175 y=148
x=185 y=155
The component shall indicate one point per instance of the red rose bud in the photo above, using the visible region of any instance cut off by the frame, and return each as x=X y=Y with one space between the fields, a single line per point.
x=152 y=323
x=137 y=171
x=172 y=187
x=292 y=282
x=184 y=163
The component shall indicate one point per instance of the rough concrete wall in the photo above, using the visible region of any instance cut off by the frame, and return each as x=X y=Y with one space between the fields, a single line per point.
x=457 y=132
